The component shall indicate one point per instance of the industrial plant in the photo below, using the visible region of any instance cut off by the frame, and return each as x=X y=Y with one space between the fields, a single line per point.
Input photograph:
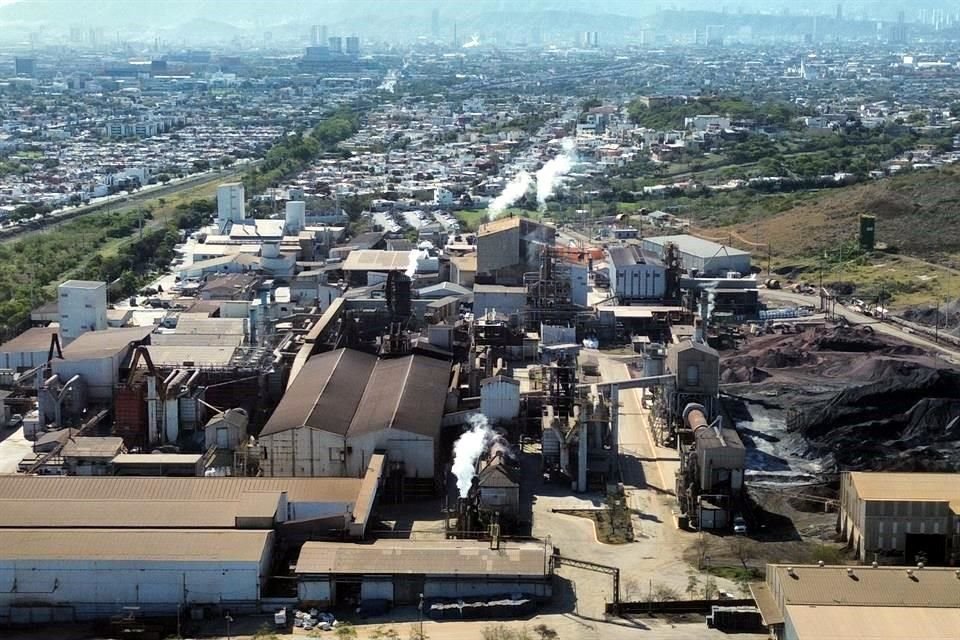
x=256 y=427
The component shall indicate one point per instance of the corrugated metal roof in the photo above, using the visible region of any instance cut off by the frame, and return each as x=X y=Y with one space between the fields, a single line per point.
x=128 y=514
x=180 y=489
x=866 y=586
x=944 y=487
x=101 y=344
x=121 y=544
x=377 y=260
x=176 y=355
x=194 y=325
x=407 y=393
x=32 y=340
x=435 y=558
x=874 y=623
x=695 y=246
x=349 y=392
x=624 y=256
x=325 y=394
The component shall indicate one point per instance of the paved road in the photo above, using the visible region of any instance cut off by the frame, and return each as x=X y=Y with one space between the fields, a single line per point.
x=950 y=354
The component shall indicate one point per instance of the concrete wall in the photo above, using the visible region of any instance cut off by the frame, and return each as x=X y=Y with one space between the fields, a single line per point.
x=82 y=309
x=498 y=250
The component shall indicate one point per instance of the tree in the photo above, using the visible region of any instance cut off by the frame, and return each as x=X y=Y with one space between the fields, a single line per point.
x=163 y=178
x=709 y=589
x=545 y=632
x=693 y=584
x=660 y=592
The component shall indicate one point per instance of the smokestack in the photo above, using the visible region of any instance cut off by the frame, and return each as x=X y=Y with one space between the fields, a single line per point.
x=467 y=451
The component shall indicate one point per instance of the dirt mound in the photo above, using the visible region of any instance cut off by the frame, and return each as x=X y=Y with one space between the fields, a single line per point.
x=848 y=340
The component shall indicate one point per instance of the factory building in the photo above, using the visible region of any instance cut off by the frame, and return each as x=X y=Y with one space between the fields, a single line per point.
x=82 y=307
x=65 y=575
x=701 y=257
x=840 y=603
x=28 y=350
x=231 y=205
x=634 y=277
x=330 y=573
x=345 y=405
x=901 y=517
x=96 y=357
x=502 y=299
x=508 y=247
x=74 y=502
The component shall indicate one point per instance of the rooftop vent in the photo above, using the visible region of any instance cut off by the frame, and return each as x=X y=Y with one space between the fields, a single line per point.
x=874 y=564
x=820 y=563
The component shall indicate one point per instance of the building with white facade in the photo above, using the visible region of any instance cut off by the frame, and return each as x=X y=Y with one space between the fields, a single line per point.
x=231 y=206
x=82 y=306
x=632 y=277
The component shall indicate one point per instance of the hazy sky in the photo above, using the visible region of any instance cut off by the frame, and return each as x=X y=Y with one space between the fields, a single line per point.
x=212 y=21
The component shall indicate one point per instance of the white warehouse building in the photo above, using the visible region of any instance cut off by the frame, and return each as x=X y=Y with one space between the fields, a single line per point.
x=633 y=277
x=63 y=575
x=705 y=257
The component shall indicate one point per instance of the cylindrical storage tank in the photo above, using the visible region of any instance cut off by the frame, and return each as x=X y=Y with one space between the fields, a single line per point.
x=296 y=217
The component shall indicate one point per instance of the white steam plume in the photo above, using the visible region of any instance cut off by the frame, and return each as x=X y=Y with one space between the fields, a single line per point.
x=415 y=257
x=548 y=177
x=514 y=190
x=467 y=450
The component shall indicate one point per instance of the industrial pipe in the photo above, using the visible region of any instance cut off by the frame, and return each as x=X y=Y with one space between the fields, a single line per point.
x=695 y=415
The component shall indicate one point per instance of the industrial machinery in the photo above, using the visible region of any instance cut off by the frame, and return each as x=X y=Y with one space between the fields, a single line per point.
x=710 y=479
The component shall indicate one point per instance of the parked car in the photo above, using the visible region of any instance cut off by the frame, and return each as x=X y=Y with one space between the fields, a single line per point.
x=740 y=526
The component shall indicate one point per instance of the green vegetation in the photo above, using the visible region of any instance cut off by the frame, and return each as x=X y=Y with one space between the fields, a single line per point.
x=737 y=574
x=97 y=247
x=671 y=116
x=297 y=150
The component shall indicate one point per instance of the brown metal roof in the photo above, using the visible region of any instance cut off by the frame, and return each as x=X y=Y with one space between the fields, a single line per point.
x=102 y=344
x=123 y=544
x=131 y=514
x=407 y=393
x=943 y=487
x=349 y=393
x=874 y=623
x=325 y=394
x=32 y=340
x=766 y=604
x=866 y=586
x=435 y=558
x=343 y=490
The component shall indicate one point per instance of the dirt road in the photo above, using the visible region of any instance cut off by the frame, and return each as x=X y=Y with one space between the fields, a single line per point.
x=892 y=330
